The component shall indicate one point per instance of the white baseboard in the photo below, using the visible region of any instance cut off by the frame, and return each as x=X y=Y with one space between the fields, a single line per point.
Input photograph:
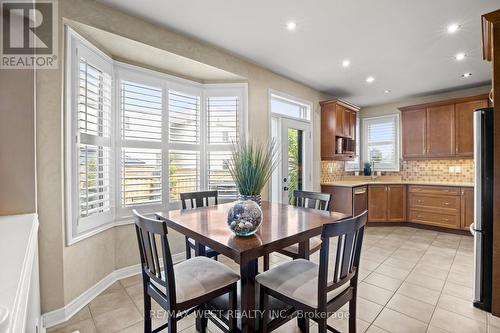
x=61 y=315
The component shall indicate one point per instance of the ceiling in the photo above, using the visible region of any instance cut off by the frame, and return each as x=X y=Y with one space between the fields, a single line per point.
x=403 y=44
x=136 y=53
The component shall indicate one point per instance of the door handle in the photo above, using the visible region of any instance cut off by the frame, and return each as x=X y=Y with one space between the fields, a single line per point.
x=285 y=188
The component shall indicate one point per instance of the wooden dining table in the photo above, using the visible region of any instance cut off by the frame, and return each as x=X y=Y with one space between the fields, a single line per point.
x=282 y=226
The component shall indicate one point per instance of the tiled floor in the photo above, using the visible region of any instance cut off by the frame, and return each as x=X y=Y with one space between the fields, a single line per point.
x=411 y=280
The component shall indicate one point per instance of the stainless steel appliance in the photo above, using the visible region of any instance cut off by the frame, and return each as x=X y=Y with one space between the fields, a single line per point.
x=482 y=228
x=360 y=200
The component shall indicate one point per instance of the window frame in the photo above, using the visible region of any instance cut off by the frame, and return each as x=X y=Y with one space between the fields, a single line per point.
x=287 y=98
x=76 y=45
x=120 y=215
x=395 y=164
x=124 y=73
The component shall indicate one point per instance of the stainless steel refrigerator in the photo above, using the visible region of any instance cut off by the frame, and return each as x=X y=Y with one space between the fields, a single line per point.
x=482 y=228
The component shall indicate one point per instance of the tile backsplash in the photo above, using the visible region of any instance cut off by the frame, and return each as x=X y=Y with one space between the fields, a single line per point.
x=446 y=171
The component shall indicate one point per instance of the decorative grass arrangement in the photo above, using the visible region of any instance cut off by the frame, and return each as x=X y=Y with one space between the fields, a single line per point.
x=251 y=165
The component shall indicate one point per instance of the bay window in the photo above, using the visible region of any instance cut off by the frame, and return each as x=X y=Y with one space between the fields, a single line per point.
x=136 y=139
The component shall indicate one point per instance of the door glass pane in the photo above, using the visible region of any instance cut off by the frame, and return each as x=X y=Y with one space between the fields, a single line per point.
x=295 y=162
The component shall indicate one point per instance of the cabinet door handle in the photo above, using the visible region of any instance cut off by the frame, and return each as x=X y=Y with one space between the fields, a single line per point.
x=446 y=203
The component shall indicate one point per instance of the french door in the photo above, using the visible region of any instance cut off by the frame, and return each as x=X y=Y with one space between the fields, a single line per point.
x=294 y=171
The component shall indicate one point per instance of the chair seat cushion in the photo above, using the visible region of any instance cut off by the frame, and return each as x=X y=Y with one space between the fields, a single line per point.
x=297 y=279
x=314 y=244
x=198 y=276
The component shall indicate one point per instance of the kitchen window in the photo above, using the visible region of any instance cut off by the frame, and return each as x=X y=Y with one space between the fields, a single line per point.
x=380 y=142
x=136 y=139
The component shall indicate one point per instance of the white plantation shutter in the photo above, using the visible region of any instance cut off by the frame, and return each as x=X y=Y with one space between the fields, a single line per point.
x=219 y=177
x=184 y=172
x=141 y=112
x=381 y=141
x=223 y=122
x=183 y=117
x=223 y=119
x=141 y=107
x=91 y=95
x=184 y=113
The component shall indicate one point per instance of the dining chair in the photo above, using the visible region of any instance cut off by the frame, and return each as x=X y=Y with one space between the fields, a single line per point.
x=305 y=199
x=181 y=289
x=317 y=290
x=191 y=200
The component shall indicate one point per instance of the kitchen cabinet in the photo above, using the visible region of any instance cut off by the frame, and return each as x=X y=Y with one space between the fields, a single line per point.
x=435 y=205
x=342 y=198
x=440 y=134
x=414 y=122
x=338 y=124
x=352 y=125
x=386 y=203
x=396 y=203
x=440 y=129
x=449 y=207
x=340 y=120
x=464 y=141
x=467 y=208
x=377 y=203
x=347 y=200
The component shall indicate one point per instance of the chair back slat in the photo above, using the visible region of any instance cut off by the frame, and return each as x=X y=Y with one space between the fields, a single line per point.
x=158 y=268
x=348 y=252
x=198 y=199
x=314 y=200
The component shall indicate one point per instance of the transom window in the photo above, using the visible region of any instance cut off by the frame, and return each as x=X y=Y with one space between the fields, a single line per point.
x=142 y=138
x=289 y=106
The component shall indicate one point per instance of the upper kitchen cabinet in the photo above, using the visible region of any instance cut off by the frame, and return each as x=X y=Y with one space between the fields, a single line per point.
x=464 y=142
x=440 y=129
x=338 y=130
x=414 y=122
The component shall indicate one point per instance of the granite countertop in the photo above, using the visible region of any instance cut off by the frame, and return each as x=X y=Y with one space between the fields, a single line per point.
x=354 y=183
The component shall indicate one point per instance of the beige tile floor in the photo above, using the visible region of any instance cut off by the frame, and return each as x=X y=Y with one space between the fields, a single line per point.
x=411 y=280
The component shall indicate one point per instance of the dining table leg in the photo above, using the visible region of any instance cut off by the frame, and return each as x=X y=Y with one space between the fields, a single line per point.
x=200 y=250
x=248 y=271
x=304 y=253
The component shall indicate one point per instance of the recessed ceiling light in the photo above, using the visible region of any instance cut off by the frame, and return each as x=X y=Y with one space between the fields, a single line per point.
x=346 y=63
x=370 y=79
x=460 y=56
x=466 y=75
x=291 y=25
x=387 y=91
x=452 y=28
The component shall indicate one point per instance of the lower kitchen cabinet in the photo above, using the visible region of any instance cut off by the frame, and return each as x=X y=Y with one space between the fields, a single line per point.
x=396 y=203
x=435 y=205
x=467 y=208
x=377 y=203
x=386 y=203
x=449 y=207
